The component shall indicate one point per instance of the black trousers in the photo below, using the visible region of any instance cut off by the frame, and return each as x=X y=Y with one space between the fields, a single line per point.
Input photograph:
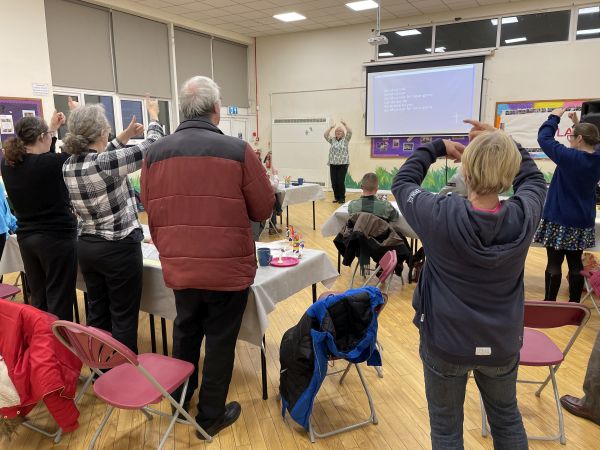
x=112 y=271
x=554 y=273
x=338 y=181
x=3 y=238
x=216 y=316
x=50 y=264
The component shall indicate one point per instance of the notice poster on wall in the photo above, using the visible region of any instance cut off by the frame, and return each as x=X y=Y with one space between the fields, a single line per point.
x=522 y=121
x=404 y=146
x=14 y=109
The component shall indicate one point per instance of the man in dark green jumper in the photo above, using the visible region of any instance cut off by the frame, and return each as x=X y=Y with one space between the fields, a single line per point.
x=369 y=202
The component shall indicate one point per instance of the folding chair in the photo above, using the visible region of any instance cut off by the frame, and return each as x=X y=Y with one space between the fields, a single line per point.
x=57 y=435
x=591 y=274
x=313 y=434
x=539 y=350
x=133 y=381
x=384 y=272
x=8 y=291
x=368 y=273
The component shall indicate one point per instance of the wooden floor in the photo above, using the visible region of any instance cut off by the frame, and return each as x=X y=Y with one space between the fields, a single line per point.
x=399 y=397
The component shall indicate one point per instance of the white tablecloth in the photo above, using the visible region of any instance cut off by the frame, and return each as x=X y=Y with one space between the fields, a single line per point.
x=339 y=218
x=308 y=192
x=271 y=285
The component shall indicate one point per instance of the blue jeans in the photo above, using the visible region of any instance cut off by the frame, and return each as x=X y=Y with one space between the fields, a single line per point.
x=445 y=386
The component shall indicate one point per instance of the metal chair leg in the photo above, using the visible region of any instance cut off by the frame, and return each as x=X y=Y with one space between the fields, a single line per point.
x=561 y=420
x=109 y=411
x=345 y=372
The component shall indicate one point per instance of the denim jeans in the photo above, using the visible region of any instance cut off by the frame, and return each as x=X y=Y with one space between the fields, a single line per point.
x=445 y=386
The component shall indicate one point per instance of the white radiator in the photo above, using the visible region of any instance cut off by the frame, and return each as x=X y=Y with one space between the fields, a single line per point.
x=299 y=149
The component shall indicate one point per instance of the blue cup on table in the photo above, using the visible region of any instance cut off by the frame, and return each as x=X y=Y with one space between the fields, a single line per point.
x=300 y=181
x=264 y=257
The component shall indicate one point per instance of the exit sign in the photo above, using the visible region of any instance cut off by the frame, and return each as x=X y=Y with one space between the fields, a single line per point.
x=233 y=110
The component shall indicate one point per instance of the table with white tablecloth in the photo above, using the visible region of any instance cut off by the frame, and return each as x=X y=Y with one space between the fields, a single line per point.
x=293 y=195
x=271 y=286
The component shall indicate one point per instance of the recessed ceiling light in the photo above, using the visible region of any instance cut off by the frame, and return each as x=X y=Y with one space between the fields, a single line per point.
x=289 y=17
x=590 y=31
x=386 y=54
x=437 y=50
x=362 y=5
x=412 y=32
x=590 y=10
x=515 y=40
x=505 y=20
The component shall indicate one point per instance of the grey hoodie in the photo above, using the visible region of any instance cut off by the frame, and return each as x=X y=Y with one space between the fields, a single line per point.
x=469 y=299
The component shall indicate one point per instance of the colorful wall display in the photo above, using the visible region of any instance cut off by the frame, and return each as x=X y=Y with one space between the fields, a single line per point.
x=404 y=146
x=523 y=119
x=13 y=109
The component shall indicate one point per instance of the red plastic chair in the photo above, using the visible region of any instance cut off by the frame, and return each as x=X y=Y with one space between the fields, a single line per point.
x=133 y=381
x=8 y=291
x=539 y=350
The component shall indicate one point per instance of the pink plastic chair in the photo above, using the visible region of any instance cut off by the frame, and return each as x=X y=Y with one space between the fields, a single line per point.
x=539 y=350
x=133 y=381
x=8 y=291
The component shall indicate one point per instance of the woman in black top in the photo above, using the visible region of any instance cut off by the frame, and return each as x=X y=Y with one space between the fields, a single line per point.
x=47 y=228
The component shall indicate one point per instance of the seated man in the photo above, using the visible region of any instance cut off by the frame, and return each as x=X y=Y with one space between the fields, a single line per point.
x=368 y=202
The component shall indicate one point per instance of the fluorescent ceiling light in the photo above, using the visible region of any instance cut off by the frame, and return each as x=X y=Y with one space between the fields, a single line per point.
x=590 y=31
x=505 y=20
x=362 y=5
x=515 y=40
x=437 y=50
x=412 y=32
x=289 y=17
x=386 y=54
x=590 y=10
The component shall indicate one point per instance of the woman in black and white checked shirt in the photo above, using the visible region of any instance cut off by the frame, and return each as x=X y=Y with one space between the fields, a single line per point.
x=109 y=250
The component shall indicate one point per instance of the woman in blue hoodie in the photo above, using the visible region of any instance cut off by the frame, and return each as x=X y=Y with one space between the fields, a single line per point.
x=469 y=301
x=567 y=226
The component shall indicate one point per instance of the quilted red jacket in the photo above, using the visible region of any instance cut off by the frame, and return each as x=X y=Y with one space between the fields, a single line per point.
x=40 y=367
x=201 y=189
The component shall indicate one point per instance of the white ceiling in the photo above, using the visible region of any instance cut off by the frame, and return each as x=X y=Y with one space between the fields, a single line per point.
x=255 y=17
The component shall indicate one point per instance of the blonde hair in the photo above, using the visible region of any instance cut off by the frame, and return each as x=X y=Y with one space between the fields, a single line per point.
x=490 y=163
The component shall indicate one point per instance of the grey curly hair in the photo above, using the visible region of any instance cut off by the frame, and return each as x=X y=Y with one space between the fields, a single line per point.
x=198 y=97
x=86 y=124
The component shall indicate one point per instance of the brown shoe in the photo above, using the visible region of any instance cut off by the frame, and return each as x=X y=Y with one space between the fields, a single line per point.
x=575 y=406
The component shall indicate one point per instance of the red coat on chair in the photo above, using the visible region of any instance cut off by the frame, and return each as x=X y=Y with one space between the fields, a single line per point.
x=40 y=367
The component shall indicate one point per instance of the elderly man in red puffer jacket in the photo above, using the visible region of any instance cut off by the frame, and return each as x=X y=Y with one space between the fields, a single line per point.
x=201 y=189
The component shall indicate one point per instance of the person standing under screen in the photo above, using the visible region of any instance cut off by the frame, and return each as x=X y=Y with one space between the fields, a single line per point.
x=339 y=159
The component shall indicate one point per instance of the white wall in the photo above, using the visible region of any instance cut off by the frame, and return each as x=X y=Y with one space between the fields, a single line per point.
x=24 y=50
x=321 y=73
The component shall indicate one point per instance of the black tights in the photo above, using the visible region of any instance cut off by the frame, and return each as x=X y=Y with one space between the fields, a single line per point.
x=554 y=274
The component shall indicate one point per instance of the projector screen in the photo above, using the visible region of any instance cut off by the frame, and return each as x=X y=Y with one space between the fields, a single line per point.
x=429 y=98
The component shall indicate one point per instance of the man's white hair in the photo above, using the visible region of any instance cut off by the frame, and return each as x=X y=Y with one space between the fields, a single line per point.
x=198 y=97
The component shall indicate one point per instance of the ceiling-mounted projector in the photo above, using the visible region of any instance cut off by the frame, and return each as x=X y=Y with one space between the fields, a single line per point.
x=378 y=40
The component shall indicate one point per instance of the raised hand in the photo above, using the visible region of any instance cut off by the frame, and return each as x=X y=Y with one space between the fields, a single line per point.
x=574 y=117
x=478 y=128
x=58 y=119
x=72 y=103
x=152 y=108
x=134 y=129
x=558 y=112
x=454 y=150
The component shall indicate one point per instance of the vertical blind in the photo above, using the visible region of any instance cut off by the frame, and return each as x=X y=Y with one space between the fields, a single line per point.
x=193 y=55
x=79 y=45
x=141 y=56
x=230 y=62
